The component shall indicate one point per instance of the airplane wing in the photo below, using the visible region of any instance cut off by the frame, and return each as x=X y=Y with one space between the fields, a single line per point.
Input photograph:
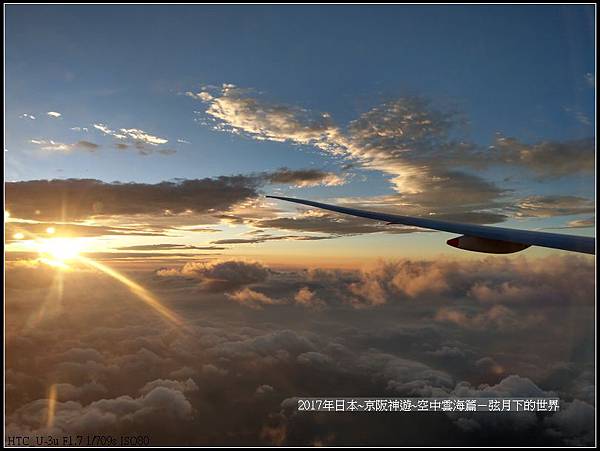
x=478 y=238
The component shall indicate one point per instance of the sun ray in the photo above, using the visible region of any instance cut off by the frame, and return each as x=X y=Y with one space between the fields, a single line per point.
x=59 y=251
x=136 y=289
x=51 y=406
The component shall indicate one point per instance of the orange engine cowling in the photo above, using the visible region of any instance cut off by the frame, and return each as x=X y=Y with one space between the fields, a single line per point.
x=473 y=243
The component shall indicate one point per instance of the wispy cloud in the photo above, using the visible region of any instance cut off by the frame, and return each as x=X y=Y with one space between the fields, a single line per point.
x=145 y=143
x=54 y=146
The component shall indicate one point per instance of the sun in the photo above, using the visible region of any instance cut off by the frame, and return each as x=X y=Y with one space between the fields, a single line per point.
x=60 y=250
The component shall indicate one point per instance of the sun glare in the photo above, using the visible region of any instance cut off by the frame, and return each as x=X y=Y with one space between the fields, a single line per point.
x=60 y=249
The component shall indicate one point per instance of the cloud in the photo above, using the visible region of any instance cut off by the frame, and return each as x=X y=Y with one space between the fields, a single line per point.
x=495 y=317
x=182 y=386
x=500 y=287
x=87 y=145
x=54 y=114
x=238 y=112
x=402 y=139
x=304 y=177
x=549 y=206
x=220 y=275
x=251 y=298
x=264 y=238
x=104 y=129
x=162 y=404
x=144 y=142
x=334 y=224
x=233 y=373
x=167 y=247
x=546 y=159
x=32 y=230
x=590 y=78
x=141 y=136
x=54 y=146
x=74 y=199
x=581 y=223
x=307 y=298
x=421 y=147
x=574 y=424
x=27 y=116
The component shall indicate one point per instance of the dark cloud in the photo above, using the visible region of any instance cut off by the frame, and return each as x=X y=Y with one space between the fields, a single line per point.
x=546 y=159
x=265 y=238
x=32 y=230
x=334 y=224
x=303 y=177
x=220 y=275
x=73 y=199
x=548 y=206
x=87 y=145
x=168 y=247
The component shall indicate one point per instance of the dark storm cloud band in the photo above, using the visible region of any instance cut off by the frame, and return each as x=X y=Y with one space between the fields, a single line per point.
x=77 y=199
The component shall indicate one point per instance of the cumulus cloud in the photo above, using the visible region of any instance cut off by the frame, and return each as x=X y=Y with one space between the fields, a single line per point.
x=54 y=114
x=307 y=298
x=160 y=404
x=233 y=373
x=220 y=275
x=251 y=298
x=574 y=424
x=182 y=386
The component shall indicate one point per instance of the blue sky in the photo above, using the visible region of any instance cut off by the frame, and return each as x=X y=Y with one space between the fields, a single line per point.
x=524 y=72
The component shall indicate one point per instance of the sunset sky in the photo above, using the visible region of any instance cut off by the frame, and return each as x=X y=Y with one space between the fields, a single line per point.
x=479 y=116
x=140 y=142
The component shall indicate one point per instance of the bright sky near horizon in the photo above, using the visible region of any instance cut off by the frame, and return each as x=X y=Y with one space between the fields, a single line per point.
x=480 y=114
